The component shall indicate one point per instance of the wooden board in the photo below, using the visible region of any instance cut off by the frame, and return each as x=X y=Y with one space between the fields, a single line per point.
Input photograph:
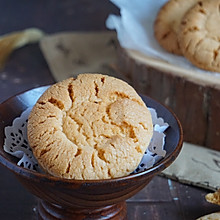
x=194 y=97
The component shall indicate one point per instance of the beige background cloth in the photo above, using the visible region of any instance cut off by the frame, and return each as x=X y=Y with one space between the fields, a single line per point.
x=69 y=54
x=196 y=165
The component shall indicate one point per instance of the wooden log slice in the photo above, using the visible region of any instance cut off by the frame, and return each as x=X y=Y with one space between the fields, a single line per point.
x=193 y=96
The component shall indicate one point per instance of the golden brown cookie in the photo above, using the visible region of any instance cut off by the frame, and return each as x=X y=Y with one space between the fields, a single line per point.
x=213 y=197
x=199 y=35
x=91 y=127
x=167 y=23
x=213 y=216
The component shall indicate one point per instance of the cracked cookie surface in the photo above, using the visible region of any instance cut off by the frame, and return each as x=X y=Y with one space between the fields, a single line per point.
x=91 y=127
x=199 y=35
x=166 y=26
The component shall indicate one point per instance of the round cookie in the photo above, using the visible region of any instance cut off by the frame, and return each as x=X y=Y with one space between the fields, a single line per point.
x=167 y=23
x=213 y=216
x=91 y=127
x=213 y=197
x=199 y=35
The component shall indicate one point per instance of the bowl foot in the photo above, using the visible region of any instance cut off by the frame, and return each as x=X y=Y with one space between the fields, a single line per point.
x=49 y=211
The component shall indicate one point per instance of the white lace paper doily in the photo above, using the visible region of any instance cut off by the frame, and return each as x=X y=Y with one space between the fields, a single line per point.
x=16 y=143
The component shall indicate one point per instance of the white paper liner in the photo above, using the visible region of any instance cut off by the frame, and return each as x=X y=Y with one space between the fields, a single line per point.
x=16 y=143
x=155 y=150
x=135 y=31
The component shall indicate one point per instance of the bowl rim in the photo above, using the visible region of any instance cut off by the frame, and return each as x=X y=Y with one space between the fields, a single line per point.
x=27 y=173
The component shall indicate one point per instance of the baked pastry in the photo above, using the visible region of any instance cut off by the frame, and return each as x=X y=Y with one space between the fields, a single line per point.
x=91 y=127
x=199 y=35
x=213 y=197
x=166 y=26
x=213 y=216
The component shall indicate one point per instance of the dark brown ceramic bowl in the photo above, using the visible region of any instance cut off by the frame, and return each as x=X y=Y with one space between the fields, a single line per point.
x=78 y=199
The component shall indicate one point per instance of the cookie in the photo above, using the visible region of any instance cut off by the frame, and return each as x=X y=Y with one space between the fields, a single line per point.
x=213 y=197
x=91 y=127
x=166 y=26
x=199 y=35
x=213 y=216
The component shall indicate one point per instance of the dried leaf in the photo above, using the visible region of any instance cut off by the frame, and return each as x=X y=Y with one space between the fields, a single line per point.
x=14 y=40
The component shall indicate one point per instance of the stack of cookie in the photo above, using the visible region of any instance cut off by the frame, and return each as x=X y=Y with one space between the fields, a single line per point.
x=190 y=28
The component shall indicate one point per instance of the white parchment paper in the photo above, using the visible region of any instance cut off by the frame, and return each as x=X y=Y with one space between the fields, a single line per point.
x=135 y=30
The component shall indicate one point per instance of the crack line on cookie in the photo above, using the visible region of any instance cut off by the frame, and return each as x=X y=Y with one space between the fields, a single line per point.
x=100 y=153
x=109 y=173
x=68 y=168
x=197 y=45
x=93 y=160
x=71 y=92
x=215 y=56
x=126 y=128
x=96 y=89
x=56 y=103
x=80 y=128
x=79 y=152
x=103 y=80
x=138 y=149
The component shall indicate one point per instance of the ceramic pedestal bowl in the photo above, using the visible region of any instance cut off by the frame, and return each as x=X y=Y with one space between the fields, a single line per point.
x=79 y=199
